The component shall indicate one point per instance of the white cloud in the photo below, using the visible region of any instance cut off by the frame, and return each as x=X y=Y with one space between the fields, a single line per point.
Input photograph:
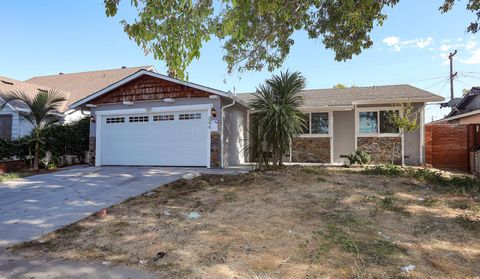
x=445 y=47
x=470 y=45
x=473 y=59
x=398 y=44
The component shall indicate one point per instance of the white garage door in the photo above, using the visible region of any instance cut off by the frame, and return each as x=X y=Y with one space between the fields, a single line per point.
x=156 y=139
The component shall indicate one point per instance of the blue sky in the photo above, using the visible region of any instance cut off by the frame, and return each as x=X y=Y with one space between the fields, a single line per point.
x=51 y=36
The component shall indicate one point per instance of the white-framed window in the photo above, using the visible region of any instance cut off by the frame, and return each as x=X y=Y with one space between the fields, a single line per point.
x=318 y=124
x=373 y=122
x=188 y=116
x=163 y=117
x=138 y=119
x=111 y=120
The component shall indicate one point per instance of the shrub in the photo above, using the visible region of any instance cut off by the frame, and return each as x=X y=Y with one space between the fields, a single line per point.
x=68 y=139
x=11 y=148
x=463 y=182
x=359 y=157
x=388 y=170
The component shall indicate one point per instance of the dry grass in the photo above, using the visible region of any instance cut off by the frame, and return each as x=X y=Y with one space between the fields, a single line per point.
x=295 y=223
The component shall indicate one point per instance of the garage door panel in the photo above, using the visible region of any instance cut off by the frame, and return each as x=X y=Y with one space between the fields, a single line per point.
x=169 y=142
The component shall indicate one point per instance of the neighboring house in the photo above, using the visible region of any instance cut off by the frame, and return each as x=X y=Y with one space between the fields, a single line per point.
x=344 y=120
x=451 y=141
x=73 y=87
x=12 y=124
x=152 y=119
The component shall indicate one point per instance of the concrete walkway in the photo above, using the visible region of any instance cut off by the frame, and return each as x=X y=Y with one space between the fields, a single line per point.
x=40 y=204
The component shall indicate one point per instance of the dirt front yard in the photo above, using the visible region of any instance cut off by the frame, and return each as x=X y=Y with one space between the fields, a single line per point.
x=295 y=223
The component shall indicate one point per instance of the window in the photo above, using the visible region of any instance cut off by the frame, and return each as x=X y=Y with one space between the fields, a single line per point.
x=386 y=125
x=368 y=122
x=165 y=117
x=115 y=120
x=188 y=116
x=317 y=123
x=138 y=119
x=374 y=122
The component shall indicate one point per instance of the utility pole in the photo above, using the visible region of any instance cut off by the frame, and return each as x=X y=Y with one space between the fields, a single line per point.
x=452 y=74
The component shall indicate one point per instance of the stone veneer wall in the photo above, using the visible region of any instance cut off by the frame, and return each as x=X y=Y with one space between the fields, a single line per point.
x=215 y=150
x=92 y=141
x=381 y=148
x=311 y=150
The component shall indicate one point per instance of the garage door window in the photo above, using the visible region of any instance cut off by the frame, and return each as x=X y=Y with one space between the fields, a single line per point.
x=111 y=120
x=138 y=119
x=188 y=116
x=165 y=117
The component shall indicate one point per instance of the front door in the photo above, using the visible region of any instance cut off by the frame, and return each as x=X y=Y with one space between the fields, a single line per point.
x=343 y=135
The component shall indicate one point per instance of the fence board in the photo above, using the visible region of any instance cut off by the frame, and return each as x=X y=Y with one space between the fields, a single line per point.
x=446 y=146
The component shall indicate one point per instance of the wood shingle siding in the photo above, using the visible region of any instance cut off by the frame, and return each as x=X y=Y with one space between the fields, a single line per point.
x=147 y=88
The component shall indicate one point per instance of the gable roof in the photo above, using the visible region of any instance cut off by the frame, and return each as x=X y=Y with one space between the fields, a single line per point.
x=360 y=95
x=142 y=72
x=77 y=86
x=8 y=85
x=461 y=106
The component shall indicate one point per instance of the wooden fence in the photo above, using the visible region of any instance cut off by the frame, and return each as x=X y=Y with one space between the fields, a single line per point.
x=447 y=146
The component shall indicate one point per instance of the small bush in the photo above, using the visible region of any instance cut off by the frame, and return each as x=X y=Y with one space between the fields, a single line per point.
x=463 y=182
x=358 y=157
x=388 y=170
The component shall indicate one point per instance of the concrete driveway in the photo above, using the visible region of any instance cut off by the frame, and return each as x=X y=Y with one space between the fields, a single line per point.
x=40 y=204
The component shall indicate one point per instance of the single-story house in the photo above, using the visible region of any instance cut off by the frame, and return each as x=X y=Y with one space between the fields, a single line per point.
x=452 y=141
x=152 y=119
x=73 y=87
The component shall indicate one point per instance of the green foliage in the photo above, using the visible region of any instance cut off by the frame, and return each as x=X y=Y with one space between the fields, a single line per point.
x=387 y=170
x=456 y=182
x=42 y=112
x=277 y=117
x=68 y=139
x=255 y=34
x=407 y=121
x=472 y=5
x=359 y=157
x=11 y=148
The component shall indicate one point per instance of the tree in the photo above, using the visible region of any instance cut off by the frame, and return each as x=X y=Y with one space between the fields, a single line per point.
x=277 y=118
x=339 y=86
x=41 y=113
x=255 y=34
x=405 y=120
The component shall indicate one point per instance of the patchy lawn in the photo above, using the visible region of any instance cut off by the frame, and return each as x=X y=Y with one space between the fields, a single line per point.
x=295 y=223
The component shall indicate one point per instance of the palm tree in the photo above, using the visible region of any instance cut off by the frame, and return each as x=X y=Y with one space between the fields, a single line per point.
x=41 y=112
x=277 y=118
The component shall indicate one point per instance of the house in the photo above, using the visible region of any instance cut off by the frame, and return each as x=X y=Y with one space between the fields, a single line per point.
x=452 y=141
x=73 y=87
x=151 y=119
x=341 y=121
x=12 y=124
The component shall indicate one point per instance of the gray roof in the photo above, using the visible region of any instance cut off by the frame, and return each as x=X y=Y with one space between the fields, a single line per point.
x=386 y=94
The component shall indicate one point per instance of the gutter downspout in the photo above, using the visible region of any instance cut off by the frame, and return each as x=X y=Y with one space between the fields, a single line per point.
x=222 y=163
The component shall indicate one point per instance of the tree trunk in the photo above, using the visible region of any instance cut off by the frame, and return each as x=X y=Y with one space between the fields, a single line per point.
x=35 y=156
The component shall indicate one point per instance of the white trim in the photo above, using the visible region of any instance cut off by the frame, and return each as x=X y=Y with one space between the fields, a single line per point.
x=467 y=114
x=209 y=138
x=98 y=142
x=326 y=108
x=422 y=135
x=152 y=74
x=121 y=111
x=310 y=135
x=374 y=109
x=355 y=126
x=330 y=128
x=182 y=108
x=401 y=100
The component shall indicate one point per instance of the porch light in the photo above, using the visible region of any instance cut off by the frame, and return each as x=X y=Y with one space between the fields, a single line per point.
x=214 y=113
